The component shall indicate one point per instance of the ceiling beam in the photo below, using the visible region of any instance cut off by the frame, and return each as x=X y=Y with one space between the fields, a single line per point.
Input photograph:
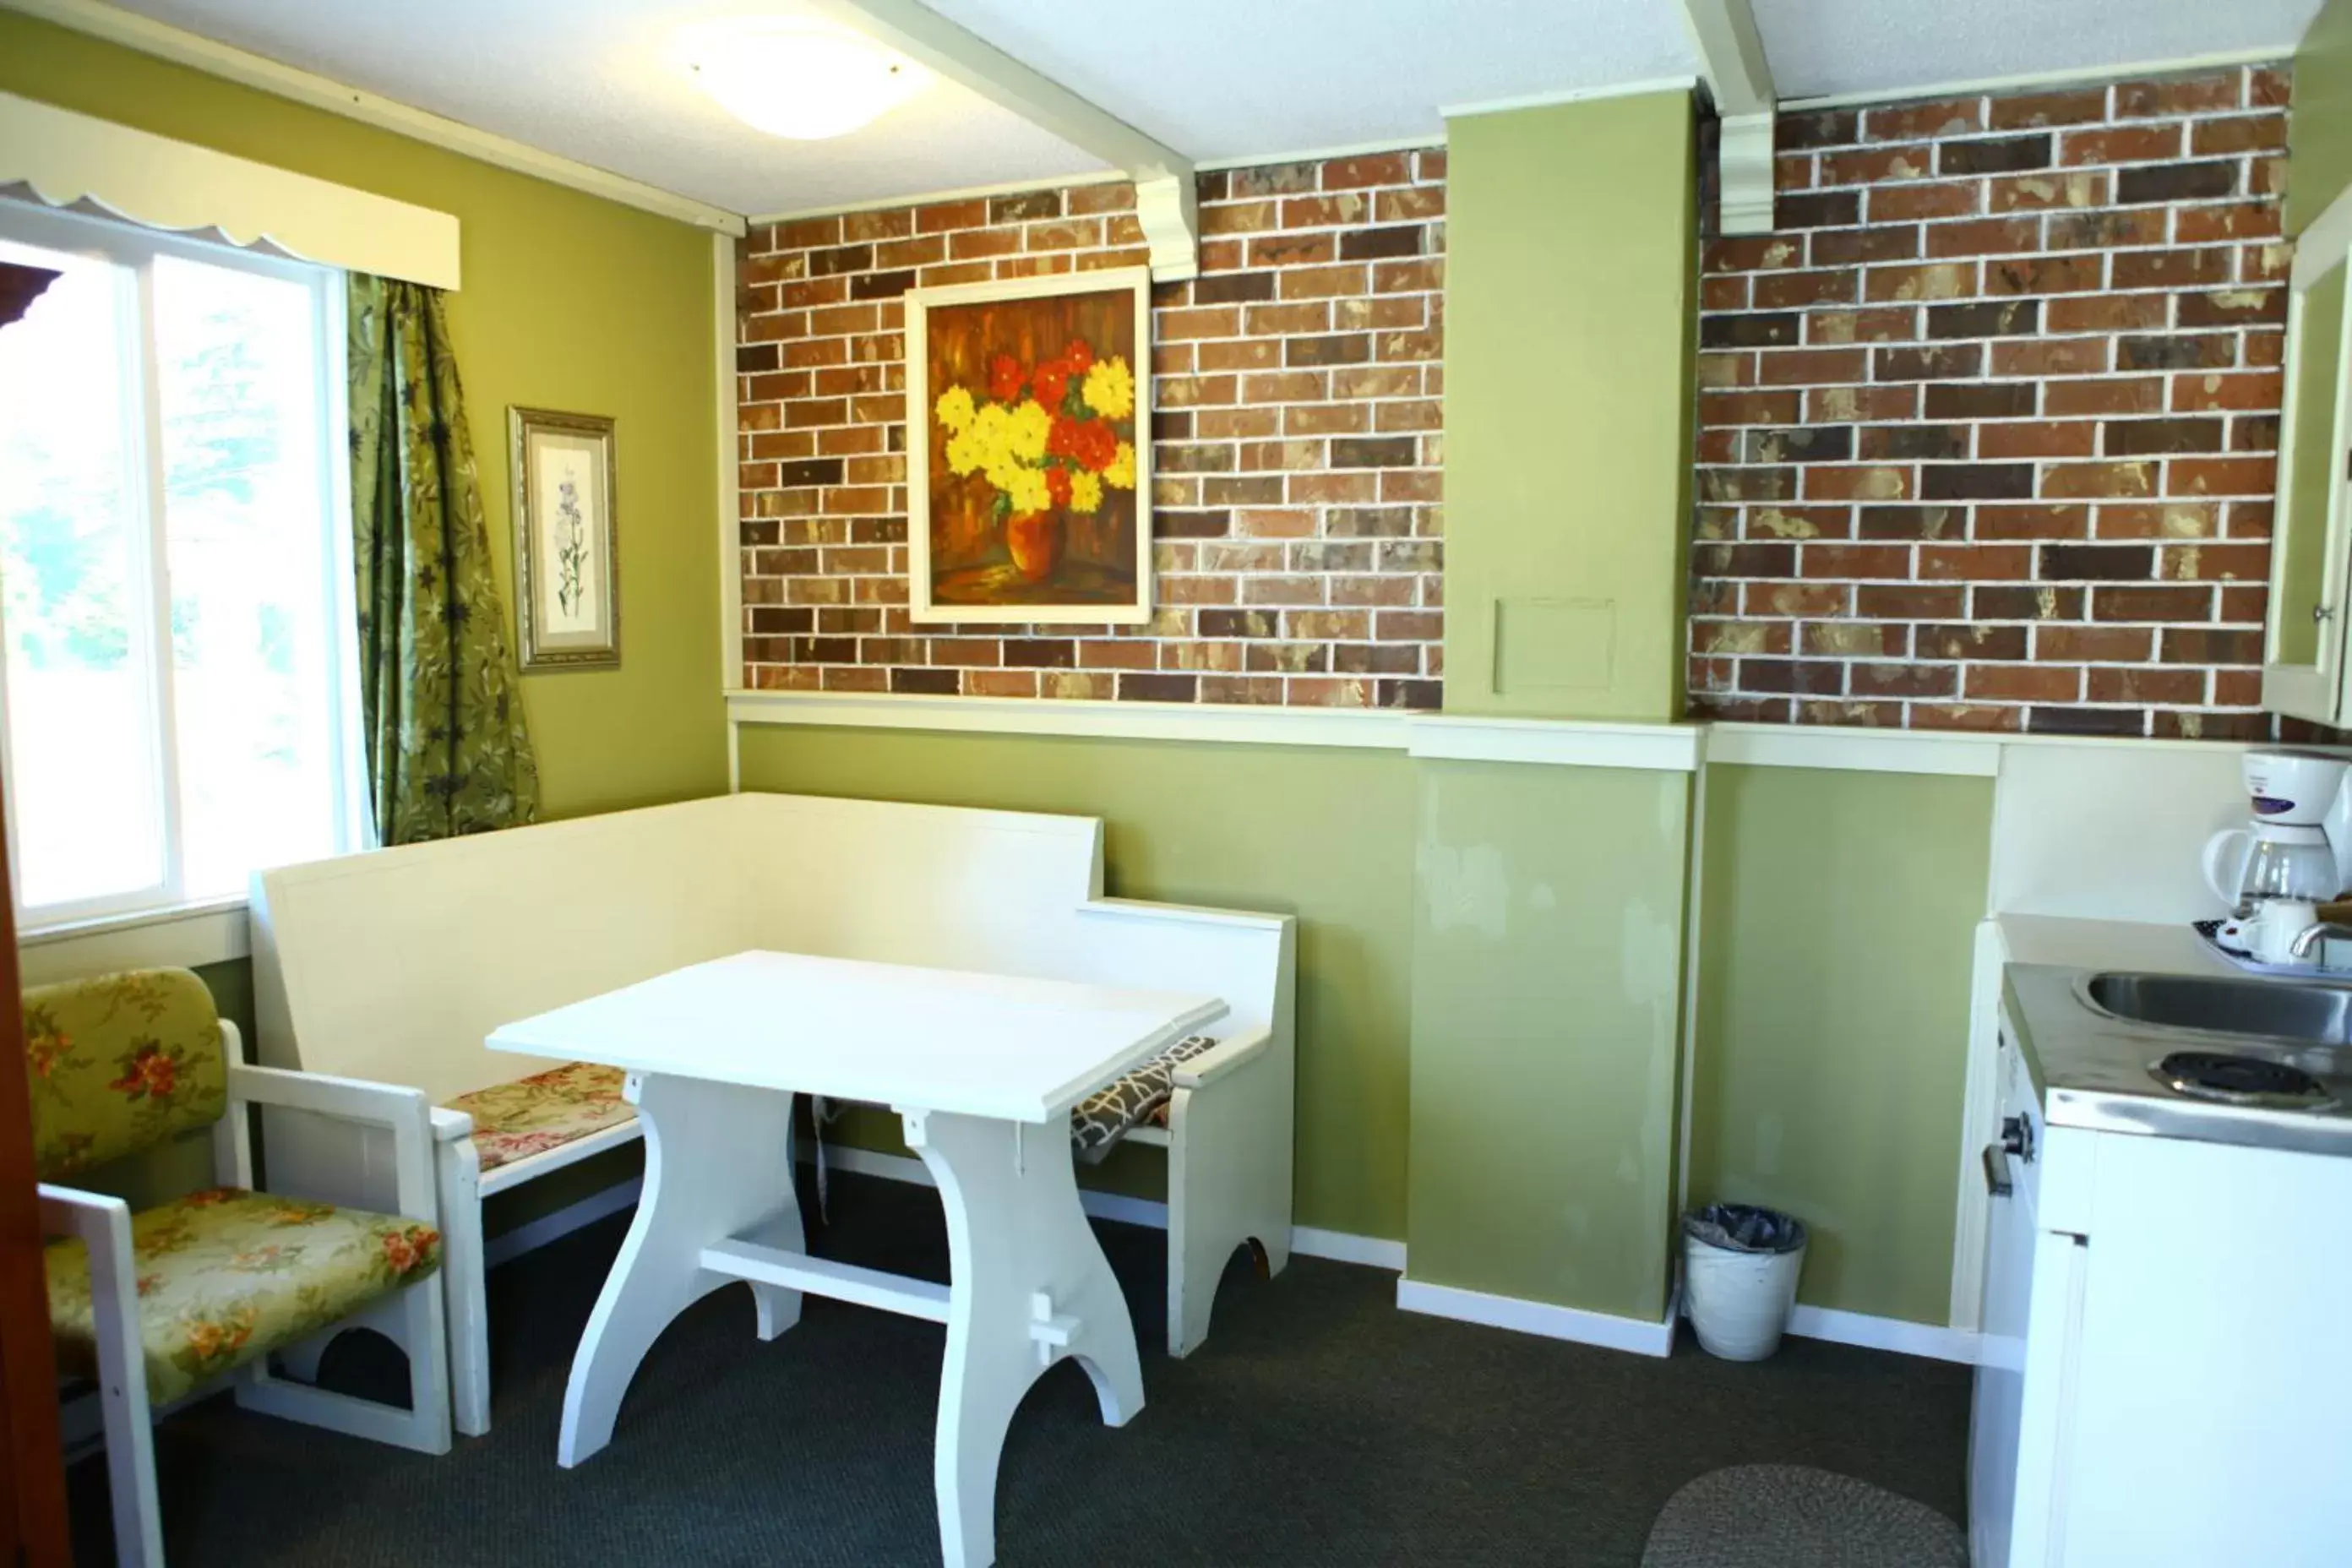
x=1165 y=200
x=1740 y=78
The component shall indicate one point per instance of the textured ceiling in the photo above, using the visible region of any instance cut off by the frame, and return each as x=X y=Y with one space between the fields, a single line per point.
x=593 y=80
x=1235 y=78
x=1824 y=47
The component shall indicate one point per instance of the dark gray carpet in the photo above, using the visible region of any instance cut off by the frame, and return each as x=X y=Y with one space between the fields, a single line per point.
x=1319 y=1424
x=1793 y=1516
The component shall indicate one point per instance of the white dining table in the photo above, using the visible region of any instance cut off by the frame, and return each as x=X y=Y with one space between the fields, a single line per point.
x=981 y=1068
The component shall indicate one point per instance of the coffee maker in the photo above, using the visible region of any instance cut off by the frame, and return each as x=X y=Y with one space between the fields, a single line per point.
x=2299 y=843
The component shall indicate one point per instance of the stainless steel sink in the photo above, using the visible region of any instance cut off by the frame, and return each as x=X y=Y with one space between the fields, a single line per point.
x=2297 y=1010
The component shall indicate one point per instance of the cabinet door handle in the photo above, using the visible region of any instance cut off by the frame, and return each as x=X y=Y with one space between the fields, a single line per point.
x=1996 y=1171
x=2320 y=613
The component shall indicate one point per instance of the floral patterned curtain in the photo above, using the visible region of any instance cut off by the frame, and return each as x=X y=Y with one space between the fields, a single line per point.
x=448 y=752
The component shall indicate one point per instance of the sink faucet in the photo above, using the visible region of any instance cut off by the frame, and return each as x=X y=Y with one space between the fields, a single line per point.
x=2309 y=937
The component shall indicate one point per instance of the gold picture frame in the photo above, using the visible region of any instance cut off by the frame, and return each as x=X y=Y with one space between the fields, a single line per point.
x=567 y=555
x=1029 y=451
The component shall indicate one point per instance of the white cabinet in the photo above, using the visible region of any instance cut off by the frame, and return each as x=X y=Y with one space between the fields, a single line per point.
x=2164 y=1381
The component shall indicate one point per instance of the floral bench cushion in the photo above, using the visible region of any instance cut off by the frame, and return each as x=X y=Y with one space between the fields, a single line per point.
x=226 y=1276
x=544 y=1112
x=118 y=1063
x=1099 y=1122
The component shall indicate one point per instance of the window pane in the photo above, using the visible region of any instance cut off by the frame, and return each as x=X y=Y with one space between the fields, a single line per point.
x=244 y=517
x=87 y=804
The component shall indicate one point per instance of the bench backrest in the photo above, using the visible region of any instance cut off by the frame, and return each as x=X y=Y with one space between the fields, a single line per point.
x=393 y=964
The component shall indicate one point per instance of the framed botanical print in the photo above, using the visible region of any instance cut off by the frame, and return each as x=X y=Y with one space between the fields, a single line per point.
x=566 y=580
x=1029 y=449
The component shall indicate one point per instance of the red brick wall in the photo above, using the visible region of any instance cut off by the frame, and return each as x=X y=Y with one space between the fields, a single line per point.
x=1987 y=426
x=1296 y=526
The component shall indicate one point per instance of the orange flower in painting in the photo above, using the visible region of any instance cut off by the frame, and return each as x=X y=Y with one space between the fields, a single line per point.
x=1004 y=378
x=1057 y=485
x=1097 y=443
x=1079 y=356
x=147 y=1074
x=1050 y=383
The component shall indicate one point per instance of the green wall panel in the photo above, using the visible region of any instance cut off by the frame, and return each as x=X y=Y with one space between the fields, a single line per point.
x=1837 y=924
x=1548 y=935
x=1322 y=834
x=568 y=302
x=1571 y=247
x=2319 y=129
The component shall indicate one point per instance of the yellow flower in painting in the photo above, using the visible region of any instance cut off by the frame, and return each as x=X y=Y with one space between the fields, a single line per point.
x=955 y=410
x=1085 y=491
x=1120 y=475
x=964 y=453
x=1028 y=492
x=1028 y=428
x=990 y=432
x=1110 y=388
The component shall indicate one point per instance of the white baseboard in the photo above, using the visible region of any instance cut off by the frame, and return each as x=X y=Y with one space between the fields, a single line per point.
x=1605 y=1329
x=535 y=1233
x=1899 y=1334
x=1307 y=1241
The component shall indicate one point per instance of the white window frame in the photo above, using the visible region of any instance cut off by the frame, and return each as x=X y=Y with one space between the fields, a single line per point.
x=138 y=248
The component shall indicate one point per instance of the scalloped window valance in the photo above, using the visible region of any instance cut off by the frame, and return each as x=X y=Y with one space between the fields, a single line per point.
x=69 y=159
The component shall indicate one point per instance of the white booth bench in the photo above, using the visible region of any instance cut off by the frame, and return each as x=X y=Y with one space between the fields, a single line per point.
x=393 y=966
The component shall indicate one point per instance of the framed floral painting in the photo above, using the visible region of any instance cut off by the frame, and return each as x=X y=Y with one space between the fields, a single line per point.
x=1029 y=449
x=567 y=591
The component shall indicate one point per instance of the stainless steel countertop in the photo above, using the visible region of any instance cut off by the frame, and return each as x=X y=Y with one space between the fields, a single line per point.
x=2092 y=1069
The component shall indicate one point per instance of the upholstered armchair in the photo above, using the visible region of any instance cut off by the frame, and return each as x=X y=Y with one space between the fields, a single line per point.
x=155 y=1305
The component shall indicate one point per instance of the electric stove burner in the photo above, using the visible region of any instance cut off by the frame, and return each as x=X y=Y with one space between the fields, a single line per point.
x=2241 y=1080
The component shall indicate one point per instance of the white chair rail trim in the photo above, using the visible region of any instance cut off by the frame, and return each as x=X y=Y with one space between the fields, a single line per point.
x=1564 y=743
x=67 y=158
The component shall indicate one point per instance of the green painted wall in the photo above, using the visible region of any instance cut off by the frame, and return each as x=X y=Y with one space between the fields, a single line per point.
x=1323 y=834
x=1836 y=938
x=1569 y=313
x=568 y=302
x=1547 y=936
x=2319 y=129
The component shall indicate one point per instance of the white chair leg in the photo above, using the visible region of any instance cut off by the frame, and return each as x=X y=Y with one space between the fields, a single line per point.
x=1229 y=1167
x=122 y=1389
x=458 y=1176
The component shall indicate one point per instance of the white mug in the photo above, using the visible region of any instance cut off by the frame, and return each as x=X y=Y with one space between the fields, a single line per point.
x=2275 y=926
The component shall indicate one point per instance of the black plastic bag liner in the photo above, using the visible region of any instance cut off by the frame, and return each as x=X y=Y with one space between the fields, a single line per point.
x=1743 y=1228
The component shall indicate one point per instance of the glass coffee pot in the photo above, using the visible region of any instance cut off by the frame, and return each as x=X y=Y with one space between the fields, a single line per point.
x=2245 y=866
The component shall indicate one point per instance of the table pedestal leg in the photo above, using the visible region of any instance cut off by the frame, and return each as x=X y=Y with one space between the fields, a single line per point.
x=719 y=1164
x=1028 y=1285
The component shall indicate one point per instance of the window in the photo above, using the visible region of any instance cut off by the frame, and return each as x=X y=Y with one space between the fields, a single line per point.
x=175 y=594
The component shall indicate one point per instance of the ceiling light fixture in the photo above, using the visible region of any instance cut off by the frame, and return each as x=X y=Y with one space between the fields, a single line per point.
x=799 y=78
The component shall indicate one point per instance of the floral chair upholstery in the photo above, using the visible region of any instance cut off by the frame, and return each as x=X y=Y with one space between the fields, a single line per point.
x=151 y=1305
x=544 y=1112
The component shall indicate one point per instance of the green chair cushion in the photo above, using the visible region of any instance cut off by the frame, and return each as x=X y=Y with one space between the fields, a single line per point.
x=119 y=1062
x=226 y=1276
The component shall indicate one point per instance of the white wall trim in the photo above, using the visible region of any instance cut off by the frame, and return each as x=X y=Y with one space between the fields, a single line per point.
x=2085 y=76
x=1376 y=729
x=1897 y=1334
x=1665 y=748
x=724 y=386
x=1552 y=1322
x=532 y=1235
x=1854 y=750
x=959 y=194
x=1571 y=95
x=166 y=42
x=73 y=160
x=181 y=938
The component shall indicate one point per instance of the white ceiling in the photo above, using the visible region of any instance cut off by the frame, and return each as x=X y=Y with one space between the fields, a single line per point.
x=1824 y=47
x=593 y=80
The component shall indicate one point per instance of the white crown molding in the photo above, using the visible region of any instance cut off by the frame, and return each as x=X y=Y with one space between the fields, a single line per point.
x=1571 y=95
x=70 y=160
x=166 y=42
x=2082 y=75
x=1428 y=141
x=959 y=193
x=1552 y=1322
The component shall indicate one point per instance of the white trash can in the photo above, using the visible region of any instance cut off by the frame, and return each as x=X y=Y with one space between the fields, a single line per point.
x=1741 y=1266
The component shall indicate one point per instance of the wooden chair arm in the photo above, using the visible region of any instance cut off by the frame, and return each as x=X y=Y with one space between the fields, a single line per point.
x=1226 y=1056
